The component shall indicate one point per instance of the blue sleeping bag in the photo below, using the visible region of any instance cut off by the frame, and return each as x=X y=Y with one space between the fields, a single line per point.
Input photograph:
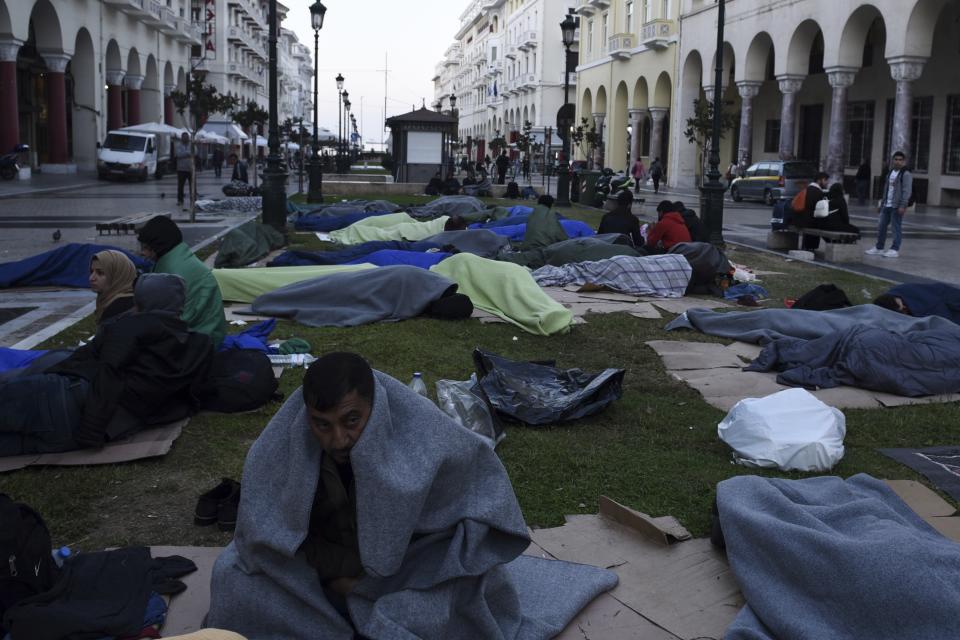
x=17 y=358
x=333 y=223
x=347 y=254
x=391 y=257
x=573 y=229
x=66 y=266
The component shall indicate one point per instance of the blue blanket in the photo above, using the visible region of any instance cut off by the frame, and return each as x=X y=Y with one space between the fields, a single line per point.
x=332 y=223
x=832 y=558
x=347 y=254
x=935 y=299
x=516 y=232
x=391 y=257
x=66 y=266
x=17 y=358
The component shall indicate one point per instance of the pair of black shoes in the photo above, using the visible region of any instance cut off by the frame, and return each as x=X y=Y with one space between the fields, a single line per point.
x=219 y=506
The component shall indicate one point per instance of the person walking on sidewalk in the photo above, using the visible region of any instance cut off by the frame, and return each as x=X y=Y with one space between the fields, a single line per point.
x=897 y=196
x=656 y=174
x=863 y=182
x=639 y=173
x=218 y=161
x=184 y=165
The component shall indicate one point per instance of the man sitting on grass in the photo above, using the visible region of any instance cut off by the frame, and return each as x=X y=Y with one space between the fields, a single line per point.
x=367 y=511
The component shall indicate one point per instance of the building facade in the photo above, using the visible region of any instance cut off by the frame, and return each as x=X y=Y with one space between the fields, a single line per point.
x=837 y=83
x=627 y=72
x=505 y=68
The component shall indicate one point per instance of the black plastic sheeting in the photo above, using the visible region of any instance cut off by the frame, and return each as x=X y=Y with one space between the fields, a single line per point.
x=539 y=394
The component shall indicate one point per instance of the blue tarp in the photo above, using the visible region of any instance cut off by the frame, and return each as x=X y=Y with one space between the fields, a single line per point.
x=391 y=257
x=66 y=266
x=16 y=358
x=347 y=254
x=573 y=228
x=333 y=223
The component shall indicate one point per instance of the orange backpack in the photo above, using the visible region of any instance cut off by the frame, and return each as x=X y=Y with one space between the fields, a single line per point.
x=799 y=202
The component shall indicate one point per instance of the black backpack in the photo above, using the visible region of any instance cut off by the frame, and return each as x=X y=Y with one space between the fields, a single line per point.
x=239 y=380
x=26 y=564
x=513 y=190
x=823 y=298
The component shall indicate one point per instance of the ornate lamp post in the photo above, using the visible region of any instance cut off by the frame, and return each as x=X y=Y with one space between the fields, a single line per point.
x=568 y=28
x=315 y=168
x=454 y=143
x=275 y=176
x=339 y=80
x=346 y=134
x=711 y=193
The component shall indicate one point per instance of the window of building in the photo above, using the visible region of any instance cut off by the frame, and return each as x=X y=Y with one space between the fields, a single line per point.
x=665 y=10
x=771 y=137
x=629 y=13
x=645 y=10
x=589 y=36
x=603 y=31
x=859 y=133
x=951 y=148
x=920 y=126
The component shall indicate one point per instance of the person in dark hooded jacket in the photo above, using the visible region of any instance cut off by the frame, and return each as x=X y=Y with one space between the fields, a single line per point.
x=690 y=219
x=137 y=371
x=622 y=220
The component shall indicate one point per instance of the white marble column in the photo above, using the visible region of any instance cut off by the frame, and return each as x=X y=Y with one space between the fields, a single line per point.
x=657 y=116
x=600 y=150
x=748 y=90
x=789 y=86
x=905 y=70
x=636 y=125
x=840 y=79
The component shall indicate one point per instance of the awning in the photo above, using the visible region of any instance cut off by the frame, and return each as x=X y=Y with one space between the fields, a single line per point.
x=211 y=138
x=156 y=128
x=226 y=129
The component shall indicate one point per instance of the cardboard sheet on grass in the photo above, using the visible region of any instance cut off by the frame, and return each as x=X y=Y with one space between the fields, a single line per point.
x=715 y=370
x=583 y=300
x=146 y=444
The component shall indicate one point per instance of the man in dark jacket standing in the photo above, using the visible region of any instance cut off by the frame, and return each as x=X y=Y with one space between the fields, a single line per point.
x=184 y=165
x=503 y=163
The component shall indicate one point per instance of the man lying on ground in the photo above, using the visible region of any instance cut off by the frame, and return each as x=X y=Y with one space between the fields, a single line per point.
x=137 y=371
x=162 y=242
x=367 y=511
x=921 y=300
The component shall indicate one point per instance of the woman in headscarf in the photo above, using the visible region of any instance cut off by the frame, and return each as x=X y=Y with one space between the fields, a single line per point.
x=112 y=275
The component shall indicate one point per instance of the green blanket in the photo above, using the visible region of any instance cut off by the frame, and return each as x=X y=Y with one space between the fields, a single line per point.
x=507 y=291
x=243 y=285
x=543 y=229
x=393 y=226
x=247 y=243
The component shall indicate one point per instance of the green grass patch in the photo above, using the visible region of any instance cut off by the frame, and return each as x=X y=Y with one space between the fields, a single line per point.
x=656 y=449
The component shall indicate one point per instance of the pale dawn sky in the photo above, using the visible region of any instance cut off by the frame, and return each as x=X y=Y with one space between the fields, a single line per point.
x=356 y=36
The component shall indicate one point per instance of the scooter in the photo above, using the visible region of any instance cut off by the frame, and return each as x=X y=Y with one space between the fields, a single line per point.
x=610 y=184
x=9 y=167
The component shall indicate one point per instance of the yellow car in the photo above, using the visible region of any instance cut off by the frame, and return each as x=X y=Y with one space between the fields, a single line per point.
x=770 y=181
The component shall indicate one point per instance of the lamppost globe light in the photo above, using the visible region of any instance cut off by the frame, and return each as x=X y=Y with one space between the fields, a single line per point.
x=453 y=102
x=339 y=80
x=346 y=94
x=568 y=28
x=317 y=11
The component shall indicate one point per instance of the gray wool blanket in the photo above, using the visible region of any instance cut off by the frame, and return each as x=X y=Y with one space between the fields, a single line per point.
x=840 y=559
x=916 y=363
x=448 y=206
x=358 y=297
x=439 y=527
x=480 y=242
x=765 y=325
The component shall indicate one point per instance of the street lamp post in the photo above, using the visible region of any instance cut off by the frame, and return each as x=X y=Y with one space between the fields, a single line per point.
x=711 y=193
x=315 y=193
x=568 y=28
x=275 y=176
x=455 y=143
x=339 y=80
x=346 y=135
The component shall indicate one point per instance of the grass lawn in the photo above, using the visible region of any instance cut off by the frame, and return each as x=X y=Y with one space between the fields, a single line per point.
x=656 y=449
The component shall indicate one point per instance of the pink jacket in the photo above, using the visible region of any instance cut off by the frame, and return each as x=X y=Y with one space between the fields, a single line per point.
x=639 y=171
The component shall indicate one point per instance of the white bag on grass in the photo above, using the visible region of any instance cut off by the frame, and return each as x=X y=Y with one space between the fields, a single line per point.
x=788 y=430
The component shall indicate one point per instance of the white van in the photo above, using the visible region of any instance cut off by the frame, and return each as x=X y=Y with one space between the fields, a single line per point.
x=126 y=154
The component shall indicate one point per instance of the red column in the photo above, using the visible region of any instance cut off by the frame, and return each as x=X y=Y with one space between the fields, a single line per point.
x=9 y=115
x=56 y=108
x=133 y=84
x=114 y=100
x=168 y=106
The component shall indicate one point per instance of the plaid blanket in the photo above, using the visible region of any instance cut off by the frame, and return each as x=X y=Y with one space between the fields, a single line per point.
x=666 y=276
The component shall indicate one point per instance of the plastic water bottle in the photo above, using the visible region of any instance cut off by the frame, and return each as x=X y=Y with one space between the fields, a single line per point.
x=60 y=555
x=418 y=385
x=292 y=360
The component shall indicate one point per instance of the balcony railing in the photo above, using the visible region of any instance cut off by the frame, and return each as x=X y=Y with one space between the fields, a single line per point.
x=619 y=45
x=154 y=11
x=656 y=33
x=512 y=52
x=133 y=7
x=169 y=24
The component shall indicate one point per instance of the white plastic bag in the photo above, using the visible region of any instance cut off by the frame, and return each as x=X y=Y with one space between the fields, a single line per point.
x=458 y=400
x=789 y=430
x=822 y=210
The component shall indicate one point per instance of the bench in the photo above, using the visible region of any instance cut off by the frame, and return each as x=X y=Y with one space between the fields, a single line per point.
x=126 y=224
x=840 y=246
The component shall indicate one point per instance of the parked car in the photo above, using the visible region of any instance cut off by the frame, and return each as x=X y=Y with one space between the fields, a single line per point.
x=770 y=181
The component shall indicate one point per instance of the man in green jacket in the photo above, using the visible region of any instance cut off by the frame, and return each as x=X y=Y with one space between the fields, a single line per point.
x=162 y=242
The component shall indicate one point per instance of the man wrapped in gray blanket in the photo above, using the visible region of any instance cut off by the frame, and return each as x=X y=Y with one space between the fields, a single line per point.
x=366 y=510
